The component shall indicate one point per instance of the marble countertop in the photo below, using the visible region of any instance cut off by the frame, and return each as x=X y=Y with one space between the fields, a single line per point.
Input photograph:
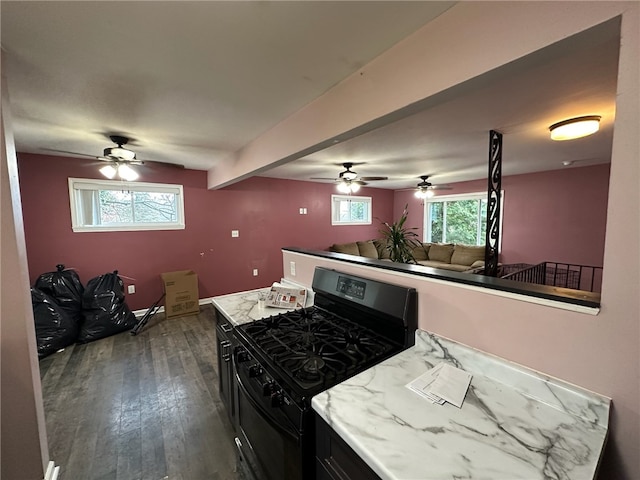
x=515 y=423
x=242 y=307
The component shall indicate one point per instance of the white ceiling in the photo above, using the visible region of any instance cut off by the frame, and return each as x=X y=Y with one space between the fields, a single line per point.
x=192 y=82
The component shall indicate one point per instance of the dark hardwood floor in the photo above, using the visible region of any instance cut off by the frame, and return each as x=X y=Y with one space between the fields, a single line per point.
x=143 y=407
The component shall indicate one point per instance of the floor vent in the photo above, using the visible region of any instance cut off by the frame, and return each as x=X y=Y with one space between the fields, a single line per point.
x=52 y=472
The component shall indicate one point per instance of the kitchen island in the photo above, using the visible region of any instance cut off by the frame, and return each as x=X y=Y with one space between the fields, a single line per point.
x=515 y=423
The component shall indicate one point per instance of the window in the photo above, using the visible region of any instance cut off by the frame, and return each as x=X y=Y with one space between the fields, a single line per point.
x=457 y=218
x=104 y=205
x=350 y=210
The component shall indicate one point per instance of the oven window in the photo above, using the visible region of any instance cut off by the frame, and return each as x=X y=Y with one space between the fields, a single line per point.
x=278 y=455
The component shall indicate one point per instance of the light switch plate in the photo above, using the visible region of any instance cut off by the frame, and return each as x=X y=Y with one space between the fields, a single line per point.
x=131 y=289
x=235 y=233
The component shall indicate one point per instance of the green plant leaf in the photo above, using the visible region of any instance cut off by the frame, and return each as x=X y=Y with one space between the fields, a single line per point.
x=400 y=240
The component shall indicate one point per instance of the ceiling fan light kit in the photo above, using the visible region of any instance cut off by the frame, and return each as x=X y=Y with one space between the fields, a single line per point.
x=348 y=186
x=122 y=170
x=109 y=171
x=575 y=127
x=127 y=173
x=424 y=192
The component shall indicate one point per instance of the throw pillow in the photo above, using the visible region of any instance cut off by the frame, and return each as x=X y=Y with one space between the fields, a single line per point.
x=467 y=254
x=348 y=248
x=441 y=252
x=419 y=253
x=367 y=249
x=381 y=245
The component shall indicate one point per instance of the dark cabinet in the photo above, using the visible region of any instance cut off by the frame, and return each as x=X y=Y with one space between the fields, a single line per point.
x=335 y=460
x=224 y=341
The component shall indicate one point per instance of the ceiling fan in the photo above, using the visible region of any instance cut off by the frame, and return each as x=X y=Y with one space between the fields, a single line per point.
x=120 y=159
x=425 y=189
x=348 y=180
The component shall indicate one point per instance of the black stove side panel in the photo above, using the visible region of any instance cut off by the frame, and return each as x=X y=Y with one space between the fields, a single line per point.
x=383 y=307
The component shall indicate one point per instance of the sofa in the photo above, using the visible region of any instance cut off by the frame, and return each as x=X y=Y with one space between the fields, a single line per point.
x=447 y=256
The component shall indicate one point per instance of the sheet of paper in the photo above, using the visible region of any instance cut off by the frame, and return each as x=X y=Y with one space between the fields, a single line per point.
x=421 y=384
x=442 y=383
x=451 y=384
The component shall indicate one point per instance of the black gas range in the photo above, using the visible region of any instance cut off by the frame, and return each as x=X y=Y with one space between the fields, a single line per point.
x=284 y=360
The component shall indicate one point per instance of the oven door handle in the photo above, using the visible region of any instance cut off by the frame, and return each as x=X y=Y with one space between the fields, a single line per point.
x=265 y=414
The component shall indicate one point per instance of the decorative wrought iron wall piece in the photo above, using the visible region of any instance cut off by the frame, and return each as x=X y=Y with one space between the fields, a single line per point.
x=493 y=204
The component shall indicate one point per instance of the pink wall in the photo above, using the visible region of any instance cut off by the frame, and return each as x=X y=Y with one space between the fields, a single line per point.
x=265 y=211
x=556 y=216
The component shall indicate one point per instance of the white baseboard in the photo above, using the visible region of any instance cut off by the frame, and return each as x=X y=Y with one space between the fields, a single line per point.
x=140 y=313
x=52 y=472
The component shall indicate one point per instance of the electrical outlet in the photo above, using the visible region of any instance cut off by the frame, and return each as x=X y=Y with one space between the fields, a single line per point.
x=235 y=233
x=255 y=272
x=131 y=289
x=292 y=268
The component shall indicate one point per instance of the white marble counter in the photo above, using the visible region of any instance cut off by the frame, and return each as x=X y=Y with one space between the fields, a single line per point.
x=242 y=307
x=515 y=423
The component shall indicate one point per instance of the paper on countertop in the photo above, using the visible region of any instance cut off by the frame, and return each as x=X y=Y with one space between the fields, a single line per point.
x=282 y=296
x=442 y=383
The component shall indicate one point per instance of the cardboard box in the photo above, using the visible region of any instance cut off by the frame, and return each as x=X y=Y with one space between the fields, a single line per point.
x=181 y=293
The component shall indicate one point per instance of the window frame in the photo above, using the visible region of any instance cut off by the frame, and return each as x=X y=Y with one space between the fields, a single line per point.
x=335 y=212
x=458 y=197
x=75 y=201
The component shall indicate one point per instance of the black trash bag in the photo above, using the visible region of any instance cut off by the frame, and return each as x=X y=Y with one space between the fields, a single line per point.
x=104 y=311
x=66 y=289
x=55 y=328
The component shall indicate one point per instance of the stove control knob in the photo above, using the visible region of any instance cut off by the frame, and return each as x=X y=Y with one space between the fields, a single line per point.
x=242 y=356
x=276 y=399
x=255 y=370
x=268 y=388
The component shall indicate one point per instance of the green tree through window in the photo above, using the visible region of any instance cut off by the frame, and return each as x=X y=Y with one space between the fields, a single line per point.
x=106 y=205
x=456 y=219
x=350 y=210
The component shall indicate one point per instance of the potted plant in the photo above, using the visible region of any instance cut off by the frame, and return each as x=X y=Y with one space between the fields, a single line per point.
x=400 y=240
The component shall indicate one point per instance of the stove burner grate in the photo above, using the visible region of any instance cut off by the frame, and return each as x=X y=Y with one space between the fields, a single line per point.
x=316 y=348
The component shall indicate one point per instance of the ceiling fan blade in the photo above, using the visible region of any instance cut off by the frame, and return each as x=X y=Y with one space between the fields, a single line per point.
x=373 y=179
x=70 y=153
x=324 y=178
x=164 y=164
x=441 y=187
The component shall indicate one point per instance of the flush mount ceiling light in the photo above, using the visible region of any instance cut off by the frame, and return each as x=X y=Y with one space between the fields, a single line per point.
x=575 y=127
